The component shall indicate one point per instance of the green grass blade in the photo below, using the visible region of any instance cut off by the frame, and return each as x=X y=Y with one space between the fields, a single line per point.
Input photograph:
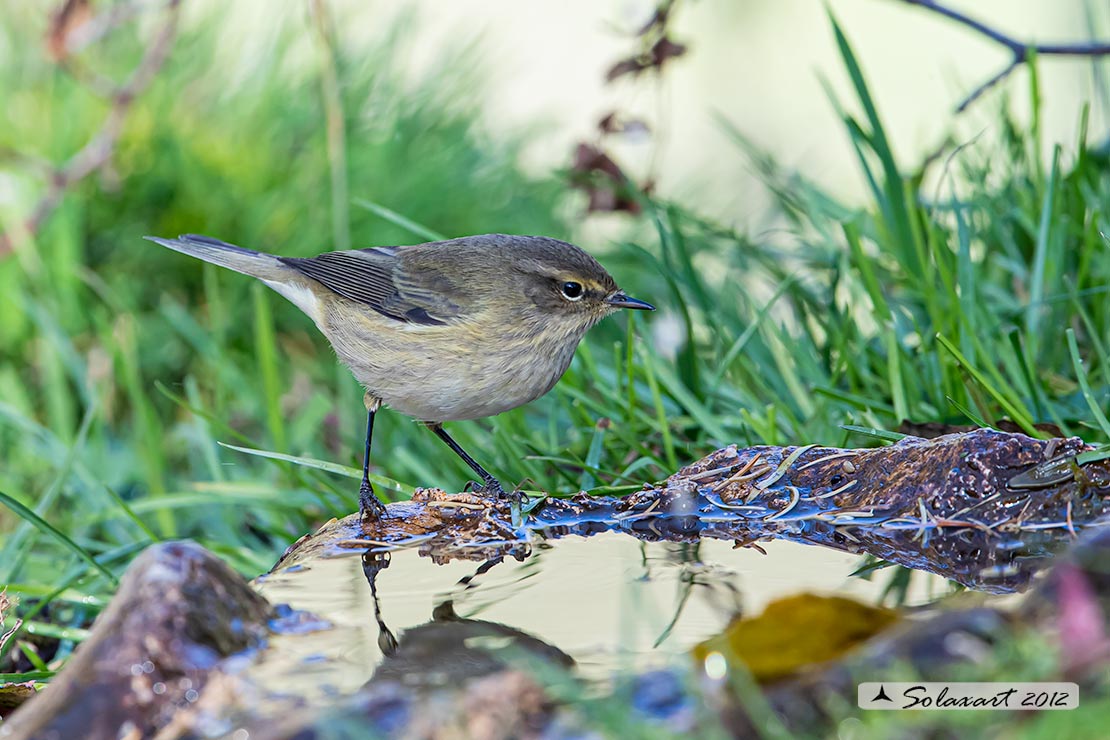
x=147 y=433
x=398 y=220
x=971 y=415
x=866 y=267
x=894 y=375
x=647 y=364
x=26 y=676
x=882 y=434
x=130 y=513
x=265 y=348
x=21 y=542
x=593 y=455
x=47 y=528
x=965 y=276
x=326 y=466
x=863 y=403
x=1085 y=385
x=1040 y=256
x=1018 y=416
x=892 y=199
x=208 y=417
x=750 y=331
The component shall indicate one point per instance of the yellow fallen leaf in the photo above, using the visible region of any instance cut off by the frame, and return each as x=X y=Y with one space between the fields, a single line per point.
x=795 y=632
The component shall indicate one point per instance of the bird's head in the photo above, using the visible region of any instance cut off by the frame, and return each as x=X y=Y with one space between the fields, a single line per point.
x=562 y=283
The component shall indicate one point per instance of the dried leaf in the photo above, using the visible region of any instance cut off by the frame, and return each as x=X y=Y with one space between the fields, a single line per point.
x=795 y=632
x=12 y=695
x=654 y=58
x=608 y=123
x=5 y=604
x=608 y=188
x=630 y=66
x=614 y=123
x=665 y=49
x=588 y=158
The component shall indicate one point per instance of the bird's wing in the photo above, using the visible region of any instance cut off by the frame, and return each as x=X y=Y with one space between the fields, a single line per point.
x=377 y=278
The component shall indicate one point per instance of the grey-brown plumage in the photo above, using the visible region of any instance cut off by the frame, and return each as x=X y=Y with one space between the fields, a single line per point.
x=442 y=331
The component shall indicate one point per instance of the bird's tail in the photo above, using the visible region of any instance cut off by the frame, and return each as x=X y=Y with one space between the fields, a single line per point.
x=247 y=261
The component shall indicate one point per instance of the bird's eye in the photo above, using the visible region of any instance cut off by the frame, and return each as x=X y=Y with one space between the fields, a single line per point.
x=571 y=290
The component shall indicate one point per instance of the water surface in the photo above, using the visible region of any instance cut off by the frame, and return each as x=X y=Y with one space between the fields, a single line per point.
x=609 y=602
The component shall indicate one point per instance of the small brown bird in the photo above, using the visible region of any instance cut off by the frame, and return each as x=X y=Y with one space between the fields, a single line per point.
x=444 y=331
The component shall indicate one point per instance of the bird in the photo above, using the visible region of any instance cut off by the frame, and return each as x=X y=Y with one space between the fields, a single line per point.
x=443 y=331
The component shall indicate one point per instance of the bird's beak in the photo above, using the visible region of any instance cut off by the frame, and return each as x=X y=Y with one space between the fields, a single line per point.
x=620 y=299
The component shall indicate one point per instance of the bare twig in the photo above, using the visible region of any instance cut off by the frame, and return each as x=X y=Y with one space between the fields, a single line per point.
x=78 y=37
x=99 y=149
x=1020 y=50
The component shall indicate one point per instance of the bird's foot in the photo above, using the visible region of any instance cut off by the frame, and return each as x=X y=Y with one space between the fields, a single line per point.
x=373 y=563
x=370 y=508
x=492 y=489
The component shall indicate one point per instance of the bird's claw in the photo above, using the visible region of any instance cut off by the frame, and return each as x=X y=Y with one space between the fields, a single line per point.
x=370 y=508
x=492 y=489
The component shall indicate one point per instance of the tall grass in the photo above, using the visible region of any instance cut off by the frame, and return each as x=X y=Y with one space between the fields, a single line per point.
x=136 y=383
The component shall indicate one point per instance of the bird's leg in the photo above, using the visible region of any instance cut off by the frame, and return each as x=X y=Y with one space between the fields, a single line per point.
x=372 y=564
x=369 y=506
x=489 y=483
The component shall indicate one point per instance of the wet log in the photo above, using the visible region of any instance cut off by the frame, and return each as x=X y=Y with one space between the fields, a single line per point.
x=983 y=508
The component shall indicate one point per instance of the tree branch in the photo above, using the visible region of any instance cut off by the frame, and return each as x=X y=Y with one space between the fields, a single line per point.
x=99 y=149
x=1020 y=50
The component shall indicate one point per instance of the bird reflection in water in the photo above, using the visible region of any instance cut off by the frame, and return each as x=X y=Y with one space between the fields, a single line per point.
x=449 y=648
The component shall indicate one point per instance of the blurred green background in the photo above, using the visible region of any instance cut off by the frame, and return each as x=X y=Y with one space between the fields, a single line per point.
x=969 y=287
